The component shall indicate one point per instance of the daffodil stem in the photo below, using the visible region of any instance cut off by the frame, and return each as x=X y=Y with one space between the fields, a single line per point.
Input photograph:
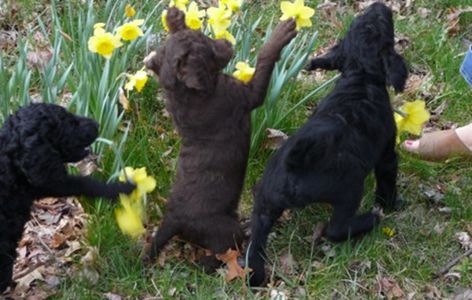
x=401 y=113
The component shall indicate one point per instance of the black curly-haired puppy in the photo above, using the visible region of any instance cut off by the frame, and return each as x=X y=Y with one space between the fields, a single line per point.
x=351 y=133
x=35 y=144
x=212 y=113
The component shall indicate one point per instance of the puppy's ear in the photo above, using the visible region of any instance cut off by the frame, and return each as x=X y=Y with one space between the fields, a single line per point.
x=396 y=70
x=39 y=162
x=332 y=60
x=175 y=20
x=192 y=77
x=223 y=53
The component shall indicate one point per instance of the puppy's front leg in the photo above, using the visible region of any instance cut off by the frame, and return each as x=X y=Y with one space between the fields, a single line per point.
x=84 y=186
x=7 y=258
x=268 y=56
x=386 y=177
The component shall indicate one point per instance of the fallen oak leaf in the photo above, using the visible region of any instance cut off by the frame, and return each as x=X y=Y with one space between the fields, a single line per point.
x=230 y=258
x=390 y=288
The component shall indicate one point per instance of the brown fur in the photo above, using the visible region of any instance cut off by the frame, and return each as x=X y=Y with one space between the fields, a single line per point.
x=212 y=113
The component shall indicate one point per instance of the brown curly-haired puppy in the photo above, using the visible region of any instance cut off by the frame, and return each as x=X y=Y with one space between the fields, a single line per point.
x=212 y=113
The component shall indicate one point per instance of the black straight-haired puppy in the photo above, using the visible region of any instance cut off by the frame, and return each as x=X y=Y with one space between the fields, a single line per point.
x=351 y=133
x=212 y=113
x=35 y=144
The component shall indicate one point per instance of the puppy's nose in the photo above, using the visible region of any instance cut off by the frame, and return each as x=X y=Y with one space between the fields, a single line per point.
x=90 y=128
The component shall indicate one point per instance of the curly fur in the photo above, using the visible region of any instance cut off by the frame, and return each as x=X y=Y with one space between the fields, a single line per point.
x=351 y=133
x=211 y=112
x=35 y=143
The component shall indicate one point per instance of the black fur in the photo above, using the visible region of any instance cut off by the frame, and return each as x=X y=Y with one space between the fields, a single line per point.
x=351 y=133
x=35 y=143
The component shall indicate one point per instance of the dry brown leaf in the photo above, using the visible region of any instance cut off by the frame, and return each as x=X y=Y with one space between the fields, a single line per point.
x=318 y=232
x=277 y=295
x=90 y=259
x=8 y=39
x=360 y=267
x=38 y=59
x=452 y=277
x=88 y=165
x=328 y=12
x=275 y=138
x=288 y=264
x=49 y=239
x=58 y=240
x=230 y=258
x=111 y=296
x=464 y=239
x=453 y=18
x=49 y=218
x=25 y=282
x=424 y=12
x=73 y=246
x=432 y=292
x=463 y=295
x=390 y=288
x=401 y=43
x=124 y=100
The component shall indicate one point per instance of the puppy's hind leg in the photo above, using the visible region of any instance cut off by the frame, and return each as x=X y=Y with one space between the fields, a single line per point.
x=218 y=234
x=166 y=231
x=261 y=223
x=7 y=259
x=345 y=223
x=386 y=177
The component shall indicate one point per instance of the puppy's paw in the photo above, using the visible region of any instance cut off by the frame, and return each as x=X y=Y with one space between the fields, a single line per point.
x=378 y=211
x=400 y=203
x=284 y=33
x=149 y=57
x=115 y=189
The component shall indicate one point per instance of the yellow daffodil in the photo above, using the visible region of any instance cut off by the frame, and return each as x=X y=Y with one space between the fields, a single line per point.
x=244 y=72
x=164 y=20
x=130 y=31
x=219 y=18
x=144 y=183
x=193 y=16
x=390 y=232
x=399 y=122
x=103 y=42
x=225 y=34
x=415 y=117
x=233 y=5
x=130 y=216
x=180 y=4
x=98 y=28
x=137 y=81
x=297 y=10
x=129 y=11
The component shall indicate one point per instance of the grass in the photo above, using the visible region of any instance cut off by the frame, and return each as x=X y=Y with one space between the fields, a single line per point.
x=349 y=270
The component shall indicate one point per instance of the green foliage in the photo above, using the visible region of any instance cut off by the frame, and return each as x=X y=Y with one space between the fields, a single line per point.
x=14 y=84
x=278 y=103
